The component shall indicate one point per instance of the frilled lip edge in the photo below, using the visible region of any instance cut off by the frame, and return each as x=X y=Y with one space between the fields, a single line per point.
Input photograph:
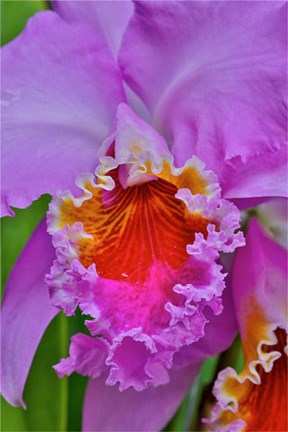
x=229 y=382
x=72 y=285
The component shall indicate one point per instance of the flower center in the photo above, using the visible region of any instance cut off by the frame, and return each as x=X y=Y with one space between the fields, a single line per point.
x=133 y=230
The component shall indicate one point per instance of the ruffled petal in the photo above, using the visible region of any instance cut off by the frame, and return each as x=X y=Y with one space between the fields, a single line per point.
x=108 y=19
x=148 y=410
x=137 y=253
x=87 y=356
x=26 y=312
x=220 y=331
x=259 y=283
x=213 y=75
x=60 y=90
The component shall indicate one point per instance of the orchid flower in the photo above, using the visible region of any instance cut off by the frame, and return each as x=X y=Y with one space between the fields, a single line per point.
x=148 y=123
x=256 y=399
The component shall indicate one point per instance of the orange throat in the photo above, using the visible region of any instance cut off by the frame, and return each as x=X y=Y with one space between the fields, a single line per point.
x=133 y=229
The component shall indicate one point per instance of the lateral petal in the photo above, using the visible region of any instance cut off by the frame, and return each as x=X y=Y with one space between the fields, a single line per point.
x=26 y=312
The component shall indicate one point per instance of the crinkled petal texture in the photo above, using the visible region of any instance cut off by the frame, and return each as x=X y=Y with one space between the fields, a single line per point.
x=213 y=75
x=26 y=312
x=256 y=399
x=60 y=90
x=147 y=411
x=137 y=252
x=108 y=19
x=212 y=343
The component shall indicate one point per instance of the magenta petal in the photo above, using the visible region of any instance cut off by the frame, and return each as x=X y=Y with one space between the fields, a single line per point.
x=108 y=409
x=263 y=284
x=213 y=75
x=26 y=312
x=58 y=105
x=108 y=18
x=259 y=281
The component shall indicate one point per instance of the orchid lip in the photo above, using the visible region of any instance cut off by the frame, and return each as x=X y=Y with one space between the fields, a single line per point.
x=137 y=251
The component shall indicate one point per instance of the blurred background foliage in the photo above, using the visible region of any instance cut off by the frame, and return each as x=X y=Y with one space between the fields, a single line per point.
x=54 y=404
x=14 y=15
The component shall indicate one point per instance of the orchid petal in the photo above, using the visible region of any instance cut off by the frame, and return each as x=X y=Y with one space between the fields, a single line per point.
x=148 y=410
x=26 y=312
x=217 y=93
x=220 y=332
x=108 y=18
x=58 y=105
x=264 y=279
x=261 y=176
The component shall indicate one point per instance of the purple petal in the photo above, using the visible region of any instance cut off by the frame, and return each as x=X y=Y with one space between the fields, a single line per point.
x=87 y=353
x=261 y=176
x=26 y=312
x=109 y=19
x=148 y=410
x=263 y=284
x=219 y=94
x=61 y=88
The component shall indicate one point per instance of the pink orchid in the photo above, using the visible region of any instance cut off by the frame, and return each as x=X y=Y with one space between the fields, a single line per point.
x=256 y=399
x=148 y=123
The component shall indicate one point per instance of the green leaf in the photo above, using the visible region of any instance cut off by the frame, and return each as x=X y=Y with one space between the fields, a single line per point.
x=233 y=356
x=12 y=419
x=201 y=384
x=77 y=383
x=14 y=15
x=77 y=386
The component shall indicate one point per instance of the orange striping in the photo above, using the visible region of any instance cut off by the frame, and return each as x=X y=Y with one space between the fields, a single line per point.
x=134 y=228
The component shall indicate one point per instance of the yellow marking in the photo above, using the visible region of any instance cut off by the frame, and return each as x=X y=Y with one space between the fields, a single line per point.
x=190 y=178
